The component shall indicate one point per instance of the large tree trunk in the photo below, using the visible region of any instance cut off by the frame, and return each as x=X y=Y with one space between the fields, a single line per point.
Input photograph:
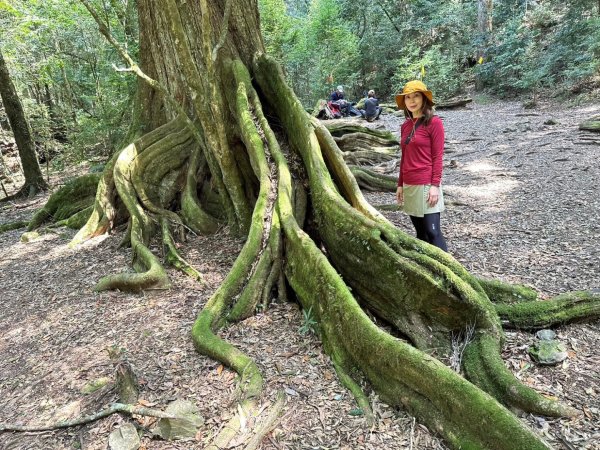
x=34 y=180
x=485 y=10
x=221 y=138
x=484 y=25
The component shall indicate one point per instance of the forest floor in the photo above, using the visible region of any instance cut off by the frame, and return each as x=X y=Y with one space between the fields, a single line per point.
x=522 y=206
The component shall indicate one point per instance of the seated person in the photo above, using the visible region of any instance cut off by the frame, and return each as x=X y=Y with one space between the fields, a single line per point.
x=372 y=109
x=337 y=99
x=338 y=94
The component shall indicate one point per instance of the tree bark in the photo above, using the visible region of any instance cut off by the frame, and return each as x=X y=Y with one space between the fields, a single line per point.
x=34 y=180
x=484 y=18
x=484 y=25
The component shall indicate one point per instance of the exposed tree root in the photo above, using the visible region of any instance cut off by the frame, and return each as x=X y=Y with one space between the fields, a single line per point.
x=499 y=292
x=519 y=306
x=339 y=128
x=152 y=273
x=563 y=309
x=362 y=145
x=368 y=157
x=361 y=398
x=211 y=317
x=104 y=211
x=268 y=424
x=76 y=221
x=373 y=181
x=28 y=190
x=74 y=197
x=173 y=257
x=146 y=176
x=192 y=213
x=422 y=322
x=114 y=408
x=445 y=305
x=154 y=277
x=403 y=374
x=348 y=331
x=360 y=141
x=13 y=226
x=104 y=214
x=484 y=367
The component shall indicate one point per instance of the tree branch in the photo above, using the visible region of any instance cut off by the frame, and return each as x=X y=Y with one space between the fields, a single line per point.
x=112 y=409
x=388 y=15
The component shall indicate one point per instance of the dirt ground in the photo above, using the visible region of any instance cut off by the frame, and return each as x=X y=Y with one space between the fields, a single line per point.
x=522 y=206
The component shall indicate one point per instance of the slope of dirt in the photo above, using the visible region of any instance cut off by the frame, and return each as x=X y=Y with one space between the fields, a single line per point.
x=523 y=207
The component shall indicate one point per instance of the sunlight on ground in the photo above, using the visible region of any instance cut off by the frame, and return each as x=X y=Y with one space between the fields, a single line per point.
x=481 y=166
x=93 y=242
x=590 y=109
x=24 y=250
x=488 y=191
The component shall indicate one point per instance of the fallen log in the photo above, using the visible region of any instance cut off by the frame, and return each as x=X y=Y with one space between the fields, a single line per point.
x=453 y=103
x=591 y=124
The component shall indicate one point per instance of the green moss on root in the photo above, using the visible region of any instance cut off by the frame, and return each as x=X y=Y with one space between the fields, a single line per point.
x=565 y=308
x=75 y=196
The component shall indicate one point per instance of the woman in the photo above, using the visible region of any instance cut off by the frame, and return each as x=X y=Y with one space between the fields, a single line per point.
x=422 y=143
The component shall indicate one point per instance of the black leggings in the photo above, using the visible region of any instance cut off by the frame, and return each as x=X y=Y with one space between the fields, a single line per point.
x=428 y=230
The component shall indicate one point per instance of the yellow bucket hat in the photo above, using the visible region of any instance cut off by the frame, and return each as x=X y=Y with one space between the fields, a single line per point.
x=410 y=88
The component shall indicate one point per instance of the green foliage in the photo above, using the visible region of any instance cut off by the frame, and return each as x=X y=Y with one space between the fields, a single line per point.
x=317 y=50
x=438 y=68
x=62 y=65
x=276 y=26
x=534 y=46
x=101 y=133
x=309 y=324
x=39 y=120
x=543 y=48
x=369 y=45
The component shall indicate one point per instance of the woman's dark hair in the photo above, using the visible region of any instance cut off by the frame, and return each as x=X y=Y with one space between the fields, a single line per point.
x=428 y=112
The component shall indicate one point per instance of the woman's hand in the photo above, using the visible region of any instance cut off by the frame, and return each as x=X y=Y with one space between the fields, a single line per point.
x=400 y=195
x=433 y=197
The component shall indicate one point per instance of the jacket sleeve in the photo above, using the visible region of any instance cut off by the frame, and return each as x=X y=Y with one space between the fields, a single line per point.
x=437 y=150
x=401 y=159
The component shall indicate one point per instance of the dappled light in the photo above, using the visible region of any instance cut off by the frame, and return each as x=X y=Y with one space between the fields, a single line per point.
x=491 y=190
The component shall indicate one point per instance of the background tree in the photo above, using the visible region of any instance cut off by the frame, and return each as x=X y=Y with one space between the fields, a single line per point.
x=485 y=9
x=538 y=47
x=78 y=105
x=34 y=179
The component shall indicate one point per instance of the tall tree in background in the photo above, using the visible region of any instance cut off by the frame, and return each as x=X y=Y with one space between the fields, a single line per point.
x=484 y=26
x=221 y=138
x=485 y=10
x=34 y=180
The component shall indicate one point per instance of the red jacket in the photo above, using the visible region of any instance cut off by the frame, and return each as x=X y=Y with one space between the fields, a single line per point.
x=421 y=161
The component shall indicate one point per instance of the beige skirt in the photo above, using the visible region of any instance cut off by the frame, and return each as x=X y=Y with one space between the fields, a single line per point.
x=415 y=200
